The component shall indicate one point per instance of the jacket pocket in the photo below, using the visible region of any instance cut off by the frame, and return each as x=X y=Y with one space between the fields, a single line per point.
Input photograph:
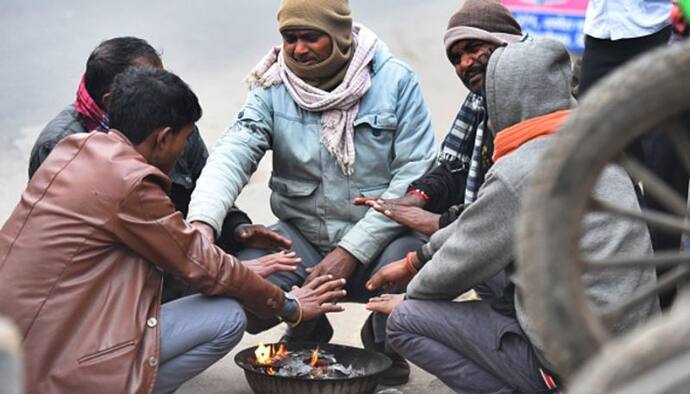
x=295 y=201
x=292 y=187
x=380 y=121
x=374 y=146
x=107 y=353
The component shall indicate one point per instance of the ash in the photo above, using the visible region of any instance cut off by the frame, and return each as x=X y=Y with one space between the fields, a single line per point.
x=296 y=365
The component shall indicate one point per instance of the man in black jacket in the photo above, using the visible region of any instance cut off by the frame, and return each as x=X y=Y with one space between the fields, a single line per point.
x=89 y=113
x=437 y=198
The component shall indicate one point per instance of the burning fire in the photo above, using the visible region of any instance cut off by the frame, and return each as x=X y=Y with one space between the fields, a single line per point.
x=267 y=355
x=314 y=357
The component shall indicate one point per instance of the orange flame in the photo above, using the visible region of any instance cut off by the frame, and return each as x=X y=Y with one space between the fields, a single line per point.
x=270 y=371
x=267 y=355
x=314 y=357
x=282 y=351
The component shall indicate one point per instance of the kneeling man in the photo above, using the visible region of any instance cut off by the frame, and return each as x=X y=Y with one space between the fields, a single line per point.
x=487 y=346
x=83 y=254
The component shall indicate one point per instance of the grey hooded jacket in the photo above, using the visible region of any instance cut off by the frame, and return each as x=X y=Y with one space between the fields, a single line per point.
x=524 y=81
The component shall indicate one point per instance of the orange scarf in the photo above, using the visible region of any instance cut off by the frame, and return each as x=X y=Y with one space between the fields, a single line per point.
x=514 y=136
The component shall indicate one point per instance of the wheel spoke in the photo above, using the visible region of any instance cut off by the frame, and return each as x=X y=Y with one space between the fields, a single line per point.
x=669 y=280
x=655 y=219
x=661 y=259
x=654 y=186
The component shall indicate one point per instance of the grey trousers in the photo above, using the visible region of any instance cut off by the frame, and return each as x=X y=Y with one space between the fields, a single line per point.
x=468 y=345
x=356 y=291
x=196 y=331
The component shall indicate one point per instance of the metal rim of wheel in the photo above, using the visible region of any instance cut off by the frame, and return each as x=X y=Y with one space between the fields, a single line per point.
x=650 y=91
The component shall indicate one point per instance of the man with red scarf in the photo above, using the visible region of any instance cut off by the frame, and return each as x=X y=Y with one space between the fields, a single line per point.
x=489 y=345
x=89 y=113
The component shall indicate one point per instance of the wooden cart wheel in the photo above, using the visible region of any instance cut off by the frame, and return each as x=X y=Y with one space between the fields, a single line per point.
x=652 y=360
x=650 y=92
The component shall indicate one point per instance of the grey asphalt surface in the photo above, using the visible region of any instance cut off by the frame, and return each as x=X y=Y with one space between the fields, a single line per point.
x=212 y=45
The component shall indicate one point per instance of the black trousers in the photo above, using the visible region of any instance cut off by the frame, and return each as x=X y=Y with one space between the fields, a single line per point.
x=602 y=56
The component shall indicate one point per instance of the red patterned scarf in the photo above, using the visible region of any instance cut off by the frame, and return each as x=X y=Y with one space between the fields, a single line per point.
x=94 y=117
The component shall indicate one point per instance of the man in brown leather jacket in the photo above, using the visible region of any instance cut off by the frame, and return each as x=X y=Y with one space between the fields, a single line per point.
x=82 y=256
x=89 y=113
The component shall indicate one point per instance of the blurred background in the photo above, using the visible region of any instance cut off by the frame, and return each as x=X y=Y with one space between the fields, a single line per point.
x=212 y=45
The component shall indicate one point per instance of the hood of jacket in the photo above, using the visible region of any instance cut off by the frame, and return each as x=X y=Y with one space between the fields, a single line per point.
x=526 y=80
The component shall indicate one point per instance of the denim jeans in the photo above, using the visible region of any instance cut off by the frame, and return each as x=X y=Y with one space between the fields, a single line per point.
x=468 y=345
x=356 y=291
x=196 y=331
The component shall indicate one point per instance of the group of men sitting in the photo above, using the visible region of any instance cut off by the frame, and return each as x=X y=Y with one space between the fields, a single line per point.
x=126 y=264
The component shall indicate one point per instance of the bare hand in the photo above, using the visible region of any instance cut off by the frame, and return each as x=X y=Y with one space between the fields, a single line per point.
x=339 y=263
x=259 y=236
x=318 y=296
x=415 y=218
x=206 y=230
x=277 y=262
x=393 y=276
x=385 y=303
x=407 y=200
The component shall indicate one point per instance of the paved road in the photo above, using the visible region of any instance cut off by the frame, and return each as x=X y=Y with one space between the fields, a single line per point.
x=211 y=45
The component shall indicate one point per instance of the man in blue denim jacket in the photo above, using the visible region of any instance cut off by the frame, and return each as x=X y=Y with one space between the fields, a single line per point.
x=344 y=120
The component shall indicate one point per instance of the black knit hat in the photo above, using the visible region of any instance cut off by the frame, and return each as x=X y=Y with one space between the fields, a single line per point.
x=485 y=20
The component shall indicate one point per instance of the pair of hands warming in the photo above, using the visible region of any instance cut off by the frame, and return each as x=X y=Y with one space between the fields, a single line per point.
x=394 y=276
x=325 y=282
x=406 y=210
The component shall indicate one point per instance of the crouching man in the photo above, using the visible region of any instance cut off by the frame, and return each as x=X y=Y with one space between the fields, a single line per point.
x=487 y=346
x=82 y=257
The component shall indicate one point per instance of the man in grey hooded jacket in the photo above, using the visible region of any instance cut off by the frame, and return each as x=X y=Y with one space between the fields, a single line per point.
x=484 y=348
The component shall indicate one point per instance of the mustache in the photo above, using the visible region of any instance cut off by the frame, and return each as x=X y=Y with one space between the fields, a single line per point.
x=470 y=72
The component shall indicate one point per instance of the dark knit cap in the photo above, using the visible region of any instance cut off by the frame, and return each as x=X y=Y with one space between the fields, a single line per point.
x=485 y=20
x=489 y=15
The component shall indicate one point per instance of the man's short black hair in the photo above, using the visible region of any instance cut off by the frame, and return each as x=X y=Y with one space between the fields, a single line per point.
x=112 y=57
x=144 y=99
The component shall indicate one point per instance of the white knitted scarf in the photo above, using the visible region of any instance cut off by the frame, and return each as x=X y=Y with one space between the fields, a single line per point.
x=338 y=107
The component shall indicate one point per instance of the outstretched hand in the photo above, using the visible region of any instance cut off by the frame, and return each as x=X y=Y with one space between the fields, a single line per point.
x=339 y=263
x=412 y=217
x=393 y=276
x=258 y=236
x=319 y=296
x=407 y=200
x=268 y=265
x=385 y=303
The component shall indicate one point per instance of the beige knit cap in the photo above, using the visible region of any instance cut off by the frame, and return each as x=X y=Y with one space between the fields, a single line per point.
x=331 y=17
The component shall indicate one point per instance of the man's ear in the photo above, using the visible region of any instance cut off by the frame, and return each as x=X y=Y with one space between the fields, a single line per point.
x=164 y=137
x=106 y=101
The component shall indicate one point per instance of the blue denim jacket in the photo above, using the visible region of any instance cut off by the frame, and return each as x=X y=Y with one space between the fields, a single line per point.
x=394 y=145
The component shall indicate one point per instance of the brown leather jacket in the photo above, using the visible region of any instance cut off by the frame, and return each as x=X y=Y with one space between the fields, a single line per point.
x=80 y=268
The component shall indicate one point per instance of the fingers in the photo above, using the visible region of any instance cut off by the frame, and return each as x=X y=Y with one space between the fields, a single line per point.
x=376 y=306
x=332 y=296
x=330 y=285
x=329 y=308
x=281 y=268
x=376 y=281
x=283 y=257
x=317 y=281
x=279 y=240
x=363 y=200
x=381 y=298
